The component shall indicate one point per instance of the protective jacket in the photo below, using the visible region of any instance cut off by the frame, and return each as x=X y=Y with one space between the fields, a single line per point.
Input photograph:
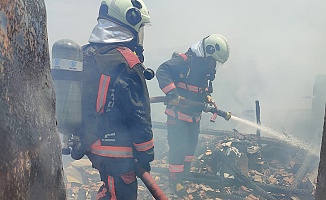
x=184 y=75
x=117 y=111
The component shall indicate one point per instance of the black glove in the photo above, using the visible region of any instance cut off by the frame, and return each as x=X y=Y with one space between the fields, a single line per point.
x=210 y=108
x=144 y=158
x=77 y=150
x=145 y=165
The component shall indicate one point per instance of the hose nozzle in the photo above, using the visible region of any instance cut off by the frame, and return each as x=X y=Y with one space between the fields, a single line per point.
x=216 y=112
x=224 y=114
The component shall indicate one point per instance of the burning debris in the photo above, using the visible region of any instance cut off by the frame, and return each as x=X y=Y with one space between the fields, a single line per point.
x=229 y=165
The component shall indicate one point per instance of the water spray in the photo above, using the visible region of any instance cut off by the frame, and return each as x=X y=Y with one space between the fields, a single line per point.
x=227 y=115
x=286 y=138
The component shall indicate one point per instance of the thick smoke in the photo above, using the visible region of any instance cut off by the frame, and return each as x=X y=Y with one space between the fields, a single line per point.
x=277 y=49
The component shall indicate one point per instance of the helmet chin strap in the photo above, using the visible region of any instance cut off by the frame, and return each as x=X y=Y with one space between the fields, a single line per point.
x=138 y=49
x=139 y=52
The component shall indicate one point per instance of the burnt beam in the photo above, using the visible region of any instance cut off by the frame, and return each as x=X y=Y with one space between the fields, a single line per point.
x=321 y=178
x=30 y=158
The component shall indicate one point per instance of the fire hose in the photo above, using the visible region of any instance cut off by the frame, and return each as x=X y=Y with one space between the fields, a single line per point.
x=150 y=183
x=203 y=106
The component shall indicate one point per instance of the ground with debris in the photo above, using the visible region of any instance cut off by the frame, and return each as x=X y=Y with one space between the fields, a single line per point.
x=228 y=166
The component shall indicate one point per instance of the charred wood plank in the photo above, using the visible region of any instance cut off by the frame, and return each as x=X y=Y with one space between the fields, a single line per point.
x=309 y=160
x=285 y=189
x=321 y=178
x=248 y=183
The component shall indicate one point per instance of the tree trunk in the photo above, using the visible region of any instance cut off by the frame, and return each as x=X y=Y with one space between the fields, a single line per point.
x=30 y=150
x=321 y=179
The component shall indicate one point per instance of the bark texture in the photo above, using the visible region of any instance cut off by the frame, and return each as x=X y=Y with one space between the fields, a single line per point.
x=321 y=179
x=30 y=149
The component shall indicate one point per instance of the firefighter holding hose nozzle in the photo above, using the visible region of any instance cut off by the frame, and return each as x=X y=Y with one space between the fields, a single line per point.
x=189 y=76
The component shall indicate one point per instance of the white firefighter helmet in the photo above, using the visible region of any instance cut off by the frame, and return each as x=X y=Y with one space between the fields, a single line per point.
x=132 y=14
x=216 y=46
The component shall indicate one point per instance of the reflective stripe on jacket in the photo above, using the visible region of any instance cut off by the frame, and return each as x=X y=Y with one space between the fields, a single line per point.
x=168 y=88
x=181 y=116
x=144 y=146
x=102 y=92
x=191 y=88
x=176 y=168
x=111 y=151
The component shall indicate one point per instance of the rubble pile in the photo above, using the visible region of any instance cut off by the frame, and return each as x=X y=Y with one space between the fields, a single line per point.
x=252 y=169
x=228 y=166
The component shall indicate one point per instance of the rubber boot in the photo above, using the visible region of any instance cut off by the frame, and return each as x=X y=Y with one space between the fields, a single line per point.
x=176 y=185
x=186 y=169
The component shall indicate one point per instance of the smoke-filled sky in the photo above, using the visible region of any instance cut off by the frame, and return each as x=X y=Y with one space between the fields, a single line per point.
x=277 y=47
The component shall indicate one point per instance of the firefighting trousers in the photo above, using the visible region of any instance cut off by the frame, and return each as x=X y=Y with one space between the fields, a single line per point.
x=118 y=176
x=182 y=140
x=116 y=188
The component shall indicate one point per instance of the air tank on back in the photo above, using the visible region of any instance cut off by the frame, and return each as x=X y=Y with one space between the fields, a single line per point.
x=66 y=70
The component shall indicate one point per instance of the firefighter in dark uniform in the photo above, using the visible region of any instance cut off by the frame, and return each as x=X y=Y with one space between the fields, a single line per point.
x=189 y=76
x=117 y=110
